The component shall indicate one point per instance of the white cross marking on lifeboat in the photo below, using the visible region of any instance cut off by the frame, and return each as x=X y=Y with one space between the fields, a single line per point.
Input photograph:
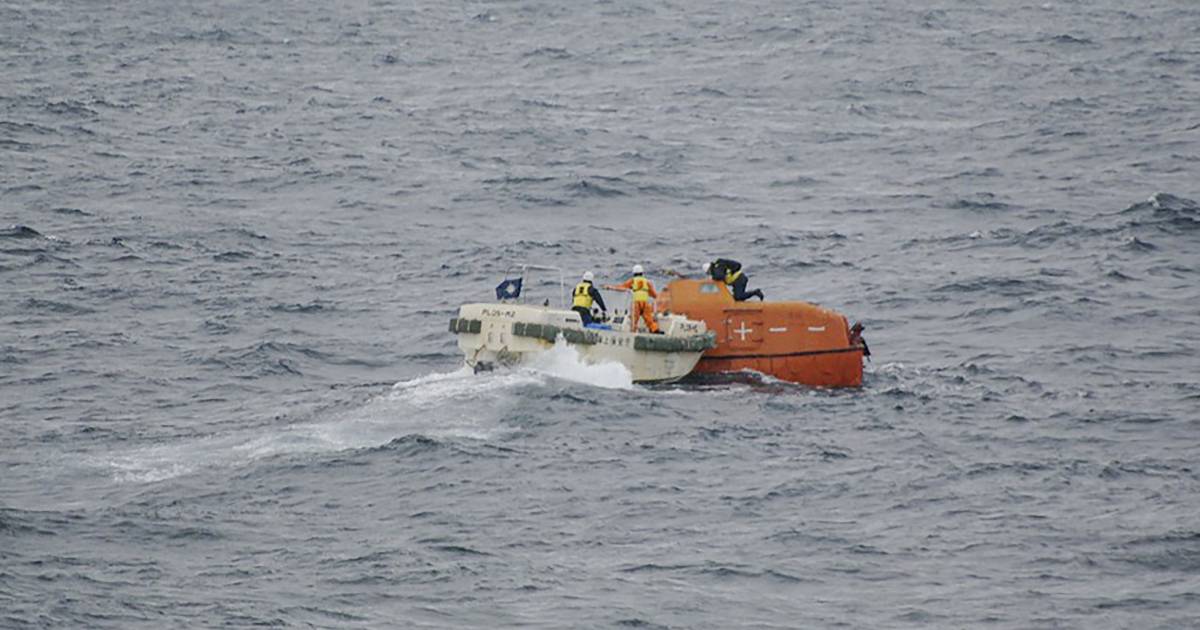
x=743 y=331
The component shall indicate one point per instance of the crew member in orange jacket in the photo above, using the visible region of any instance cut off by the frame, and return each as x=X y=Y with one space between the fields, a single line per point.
x=643 y=290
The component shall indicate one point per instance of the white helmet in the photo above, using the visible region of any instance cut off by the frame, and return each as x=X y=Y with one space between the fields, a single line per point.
x=707 y=266
x=638 y=269
x=587 y=276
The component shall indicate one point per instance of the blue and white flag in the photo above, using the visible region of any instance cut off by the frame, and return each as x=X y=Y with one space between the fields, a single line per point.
x=509 y=289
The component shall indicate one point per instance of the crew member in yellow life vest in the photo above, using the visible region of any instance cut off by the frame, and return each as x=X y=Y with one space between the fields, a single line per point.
x=643 y=290
x=583 y=296
x=730 y=272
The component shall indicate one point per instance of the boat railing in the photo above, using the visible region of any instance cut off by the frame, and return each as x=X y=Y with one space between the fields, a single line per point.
x=524 y=268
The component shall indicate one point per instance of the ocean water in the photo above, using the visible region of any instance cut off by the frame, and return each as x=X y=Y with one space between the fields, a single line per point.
x=231 y=236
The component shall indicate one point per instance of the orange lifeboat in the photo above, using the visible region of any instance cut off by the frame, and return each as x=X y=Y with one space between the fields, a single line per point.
x=792 y=341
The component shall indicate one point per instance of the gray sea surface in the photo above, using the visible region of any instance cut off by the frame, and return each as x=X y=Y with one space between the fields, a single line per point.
x=232 y=235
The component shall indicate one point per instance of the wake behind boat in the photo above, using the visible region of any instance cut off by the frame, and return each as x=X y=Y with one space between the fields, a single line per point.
x=512 y=332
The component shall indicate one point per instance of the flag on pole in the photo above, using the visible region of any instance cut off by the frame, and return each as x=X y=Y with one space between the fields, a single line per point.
x=509 y=289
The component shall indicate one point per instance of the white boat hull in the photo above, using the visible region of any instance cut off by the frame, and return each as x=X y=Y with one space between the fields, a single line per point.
x=512 y=334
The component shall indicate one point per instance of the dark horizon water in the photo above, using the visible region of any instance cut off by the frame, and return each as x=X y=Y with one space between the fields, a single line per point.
x=231 y=237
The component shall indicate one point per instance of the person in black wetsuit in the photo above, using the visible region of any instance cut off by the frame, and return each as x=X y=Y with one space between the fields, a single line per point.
x=730 y=272
x=583 y=296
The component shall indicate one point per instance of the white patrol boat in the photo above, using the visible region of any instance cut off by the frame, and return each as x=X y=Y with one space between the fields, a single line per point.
x=510 y=332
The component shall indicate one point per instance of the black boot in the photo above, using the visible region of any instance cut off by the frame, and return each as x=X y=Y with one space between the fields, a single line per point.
x=759 y=293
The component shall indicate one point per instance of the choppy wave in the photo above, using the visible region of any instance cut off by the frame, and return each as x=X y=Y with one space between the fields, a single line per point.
x=231 y=238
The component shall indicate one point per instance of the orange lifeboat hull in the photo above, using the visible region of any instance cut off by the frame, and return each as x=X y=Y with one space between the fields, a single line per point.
x=793 y=341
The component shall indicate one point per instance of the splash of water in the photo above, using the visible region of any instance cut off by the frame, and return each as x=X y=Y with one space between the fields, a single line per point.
x=461 y=385
x=563 y=361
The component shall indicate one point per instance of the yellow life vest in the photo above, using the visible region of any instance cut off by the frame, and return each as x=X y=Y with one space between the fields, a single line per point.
x=730 y=278
x=641 y=289
x=583 y=297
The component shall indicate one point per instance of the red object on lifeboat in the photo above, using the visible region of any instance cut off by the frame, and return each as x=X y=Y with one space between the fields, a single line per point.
x=793 y=341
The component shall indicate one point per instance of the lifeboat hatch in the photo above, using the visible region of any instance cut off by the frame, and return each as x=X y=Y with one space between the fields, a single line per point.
x=744 y=328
